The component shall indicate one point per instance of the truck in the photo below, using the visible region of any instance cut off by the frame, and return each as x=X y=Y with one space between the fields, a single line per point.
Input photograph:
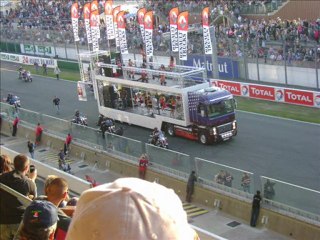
x=183 y=105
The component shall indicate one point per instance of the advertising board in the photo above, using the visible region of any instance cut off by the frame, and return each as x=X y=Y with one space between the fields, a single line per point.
x=271 y=93
x=227 y=67
x=29 y=60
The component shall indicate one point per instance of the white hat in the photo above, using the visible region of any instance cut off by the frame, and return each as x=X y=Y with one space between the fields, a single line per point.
x=130 y=208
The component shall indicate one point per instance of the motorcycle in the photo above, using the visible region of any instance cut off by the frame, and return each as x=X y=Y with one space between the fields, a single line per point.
x=108 y=125
x=81 y=120
x=27 y=76
x=13 y=100
x=159 y=140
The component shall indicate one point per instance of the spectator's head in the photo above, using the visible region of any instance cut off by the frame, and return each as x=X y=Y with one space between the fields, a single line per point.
x=21 y=163
x=39 y=221
x=48 y=181
x=5 y=164
x=258 y=192
x=133 y=209
x=57 y=190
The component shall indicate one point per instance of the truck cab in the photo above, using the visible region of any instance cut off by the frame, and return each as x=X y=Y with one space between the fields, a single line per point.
x=212 y=112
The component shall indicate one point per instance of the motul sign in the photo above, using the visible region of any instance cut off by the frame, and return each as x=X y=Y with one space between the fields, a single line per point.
x=234 y=88
x=298 y=97
x=261 y=92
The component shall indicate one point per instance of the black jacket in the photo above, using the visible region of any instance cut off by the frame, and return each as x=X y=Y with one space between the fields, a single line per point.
x=11 y=210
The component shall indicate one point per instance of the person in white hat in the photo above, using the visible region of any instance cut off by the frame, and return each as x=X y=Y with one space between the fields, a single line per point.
x=130 y=208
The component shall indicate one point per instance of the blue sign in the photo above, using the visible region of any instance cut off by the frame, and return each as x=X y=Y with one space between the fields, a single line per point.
x=227 y=67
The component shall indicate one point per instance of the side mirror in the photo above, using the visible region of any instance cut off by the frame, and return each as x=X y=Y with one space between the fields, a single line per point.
x=235 y=103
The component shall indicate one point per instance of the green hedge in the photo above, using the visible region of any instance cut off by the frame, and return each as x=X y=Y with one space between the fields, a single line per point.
x=74 y=66
x=10 y=47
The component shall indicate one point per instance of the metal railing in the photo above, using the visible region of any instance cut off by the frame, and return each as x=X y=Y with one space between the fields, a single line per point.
x=288 y=198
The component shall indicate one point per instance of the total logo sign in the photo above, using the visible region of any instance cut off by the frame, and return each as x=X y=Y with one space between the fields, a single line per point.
x=234 y=88
x=298 y=97
x=261 y=92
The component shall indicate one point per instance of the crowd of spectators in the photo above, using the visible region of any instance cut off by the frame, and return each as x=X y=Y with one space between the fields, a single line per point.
x=272 y=40
x=54 y=215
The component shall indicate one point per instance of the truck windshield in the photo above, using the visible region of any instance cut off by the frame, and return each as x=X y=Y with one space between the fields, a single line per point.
x=221 y=108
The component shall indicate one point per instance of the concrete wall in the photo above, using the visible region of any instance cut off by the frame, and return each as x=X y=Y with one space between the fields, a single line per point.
x=298 y=76
x=238 y=208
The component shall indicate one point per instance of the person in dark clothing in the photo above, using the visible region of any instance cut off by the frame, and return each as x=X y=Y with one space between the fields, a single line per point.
x=11 y=209
x=190 y=185
x=31 y=148
x=45 y=69
x=15 y=126
x=56 y=103
x=255 y=209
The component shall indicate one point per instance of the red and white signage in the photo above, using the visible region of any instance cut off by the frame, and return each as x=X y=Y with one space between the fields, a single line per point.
x=173 y=18
x=183 y=35
x=95 y=9
x=109 y=19
x=270 y=93
x=121 y=22
x=234 y=88
x=299 y=97
x=86 y=17
x=115 y=12
x=75 y=21
x=81 y=90
x=206 y=32
x=140 y=16
x=148 y=27
x=94 y=23
x=261 y=92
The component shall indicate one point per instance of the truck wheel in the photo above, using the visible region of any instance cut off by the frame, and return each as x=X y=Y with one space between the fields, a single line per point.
x=203 y=138
x=170 y=129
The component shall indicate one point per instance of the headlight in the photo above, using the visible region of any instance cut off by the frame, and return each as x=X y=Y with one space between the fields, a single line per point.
x=214 y=130
x=234 y=125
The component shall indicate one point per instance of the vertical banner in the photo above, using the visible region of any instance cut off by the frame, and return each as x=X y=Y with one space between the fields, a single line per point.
x=81 y=89
x=183 y=35
x=140 y=16
x=109 y=19
x=148 y=28
x=86 y=17
x=115 y=12
x=207 y=45
x=75 y=21
x=95 y=9
x=122 y=32
x=94 y=18
x=173 y=17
